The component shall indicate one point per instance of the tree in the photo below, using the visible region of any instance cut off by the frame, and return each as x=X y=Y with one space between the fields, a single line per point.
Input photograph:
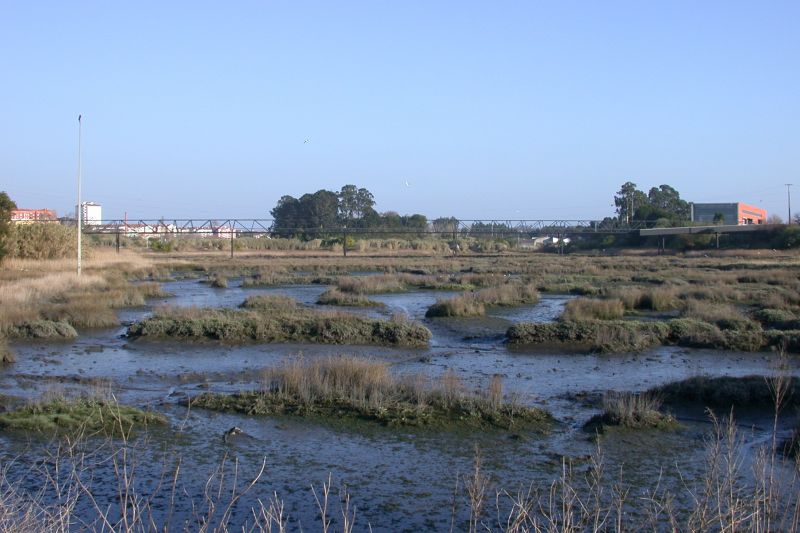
x=305 y=216
x=354 y=203
x=774 y=219
x=627 y=200
x=668 y=199
x=320 y=210
x=286 y=217
x=6 y=206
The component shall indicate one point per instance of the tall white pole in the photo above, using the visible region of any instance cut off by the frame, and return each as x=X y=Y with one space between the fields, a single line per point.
x=789 y=201
x=78 y=209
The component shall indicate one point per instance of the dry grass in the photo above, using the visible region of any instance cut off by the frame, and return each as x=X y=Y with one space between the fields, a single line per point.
x=724 y=316
x=593 y=309
x=475 y=303
x=365 y=388
x=634 y=410
x=33 y=291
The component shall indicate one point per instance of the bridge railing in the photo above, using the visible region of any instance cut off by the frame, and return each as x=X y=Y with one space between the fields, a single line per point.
x=455 y=227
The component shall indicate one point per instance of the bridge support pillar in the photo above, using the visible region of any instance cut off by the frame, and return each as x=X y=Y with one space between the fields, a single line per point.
x=117 y=241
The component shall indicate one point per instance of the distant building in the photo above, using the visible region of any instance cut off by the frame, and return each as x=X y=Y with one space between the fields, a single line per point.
x=91 y=213
x=29 y=216
x=732 y=214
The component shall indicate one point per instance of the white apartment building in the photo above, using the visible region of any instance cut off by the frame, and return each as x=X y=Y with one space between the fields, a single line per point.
x=91 y=213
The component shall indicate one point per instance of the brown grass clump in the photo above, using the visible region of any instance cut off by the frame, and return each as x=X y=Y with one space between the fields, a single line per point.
x=634 y=411
x=650 y=299
x=724 y=316
x=593 y=309
x=465 y=305
x=370 y=284
x=6 y=355
x=364 y=388
x=336 y=297
x=475 y=303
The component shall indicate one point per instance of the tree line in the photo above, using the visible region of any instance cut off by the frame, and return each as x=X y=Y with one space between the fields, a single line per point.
x=317 y=214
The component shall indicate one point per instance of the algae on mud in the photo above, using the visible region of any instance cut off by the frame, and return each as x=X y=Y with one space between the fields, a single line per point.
x=278 y=319
x=78 y=414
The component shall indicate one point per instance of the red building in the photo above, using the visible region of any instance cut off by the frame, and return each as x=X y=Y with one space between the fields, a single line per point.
x=29 y=216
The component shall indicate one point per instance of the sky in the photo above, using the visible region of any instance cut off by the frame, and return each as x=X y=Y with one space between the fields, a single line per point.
x=478 y=110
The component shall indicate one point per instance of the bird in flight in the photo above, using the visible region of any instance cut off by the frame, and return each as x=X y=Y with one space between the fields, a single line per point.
x=305 y=142
x=407 y=185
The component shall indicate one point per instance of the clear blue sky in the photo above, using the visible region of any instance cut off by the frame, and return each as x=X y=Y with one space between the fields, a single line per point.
x=487 y=109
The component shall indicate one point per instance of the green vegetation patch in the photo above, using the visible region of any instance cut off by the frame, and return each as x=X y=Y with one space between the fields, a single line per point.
x=357 y=388
x=78 y=414
x=42 y=329
x=630 y=335
x=271 y=319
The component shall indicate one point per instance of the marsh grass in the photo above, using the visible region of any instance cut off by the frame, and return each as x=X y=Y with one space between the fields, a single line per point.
x=337 y=297
x=593 y=309
x=464 y=305
x=724 y=316
x=39 y=299
x=632 y=411
x=365 y=389
x=277 y=319
x=741 y=486
x=611 y=336
x=475 y=303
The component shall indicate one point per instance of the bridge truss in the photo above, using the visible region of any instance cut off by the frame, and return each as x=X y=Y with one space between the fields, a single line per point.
x=456 y=227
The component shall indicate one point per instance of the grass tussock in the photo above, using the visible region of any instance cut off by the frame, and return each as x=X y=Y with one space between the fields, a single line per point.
x=593 y=309
x=89 y=415
x=274 y=319
x=337 y=297
x=365 y=389
x=465 y=305
x=6 y=355
x=724 y=316
x=475 y=303
x=219 y=282
x=632 y=411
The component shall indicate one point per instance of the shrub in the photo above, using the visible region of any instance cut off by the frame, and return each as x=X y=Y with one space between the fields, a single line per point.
x=43 y=241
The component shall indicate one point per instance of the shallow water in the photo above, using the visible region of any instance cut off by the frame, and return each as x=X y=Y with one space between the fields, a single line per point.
x=400 y=480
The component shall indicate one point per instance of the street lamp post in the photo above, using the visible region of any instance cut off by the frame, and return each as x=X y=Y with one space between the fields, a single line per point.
x=78 y=214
